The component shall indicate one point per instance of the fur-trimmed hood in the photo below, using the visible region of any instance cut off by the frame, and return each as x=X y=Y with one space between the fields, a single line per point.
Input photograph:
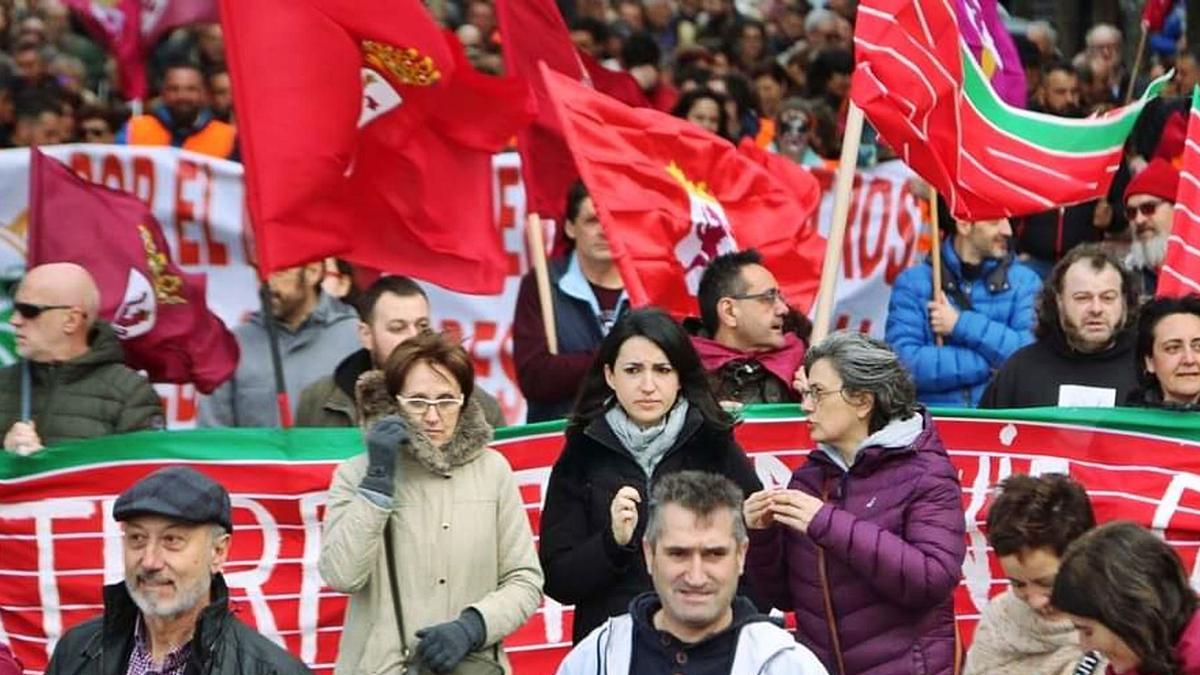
x=471 y=436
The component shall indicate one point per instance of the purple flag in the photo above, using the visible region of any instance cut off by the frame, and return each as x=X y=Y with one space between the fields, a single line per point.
x=993 y=48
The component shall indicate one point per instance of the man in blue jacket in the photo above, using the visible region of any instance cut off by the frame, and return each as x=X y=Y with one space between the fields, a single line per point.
x=983 y=313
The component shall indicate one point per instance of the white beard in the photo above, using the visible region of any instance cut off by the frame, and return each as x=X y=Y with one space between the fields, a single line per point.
x=1148 y=253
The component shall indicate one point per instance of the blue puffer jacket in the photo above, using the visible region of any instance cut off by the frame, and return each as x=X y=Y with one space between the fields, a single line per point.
x=999 y=323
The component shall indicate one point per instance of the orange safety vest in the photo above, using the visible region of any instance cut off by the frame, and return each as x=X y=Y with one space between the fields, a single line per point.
x=215 y=139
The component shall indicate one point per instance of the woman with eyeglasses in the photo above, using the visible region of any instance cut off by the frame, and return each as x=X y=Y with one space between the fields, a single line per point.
x=866 y=542
x=427 y=525
x=644 y=411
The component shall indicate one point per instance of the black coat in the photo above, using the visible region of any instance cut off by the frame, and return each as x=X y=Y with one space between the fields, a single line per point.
x=583 y=564
x=1032 y=376
x=221 y=645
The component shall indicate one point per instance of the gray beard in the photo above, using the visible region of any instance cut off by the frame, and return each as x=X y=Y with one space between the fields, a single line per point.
x=1148 y=254
x=186 y=599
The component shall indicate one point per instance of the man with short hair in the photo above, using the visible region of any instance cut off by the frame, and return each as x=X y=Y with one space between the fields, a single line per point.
x=982 y=314
x=587 y=295
x=745 y=346
x=394 y=309
x=1058 y=92
x=39 y=120
x=171 y=613
x=695 y=550
x=1168 y=354
x=183 y=119
x=315 y=331
x=1150 y=210
x=80 y=385
x=1083 y=355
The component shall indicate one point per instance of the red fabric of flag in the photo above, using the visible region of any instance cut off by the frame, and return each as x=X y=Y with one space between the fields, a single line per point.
x=672 y=196
x=533 y=31
x=1180 y=271
x=1154 y=14
x=156 y=308
x=362 y=136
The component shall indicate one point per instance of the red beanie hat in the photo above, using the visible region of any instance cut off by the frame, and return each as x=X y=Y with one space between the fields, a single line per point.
x=1159 y=179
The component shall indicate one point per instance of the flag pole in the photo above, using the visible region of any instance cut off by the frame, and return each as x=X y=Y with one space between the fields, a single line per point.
x=537 y=251
x=1137 y=62
x=281 y=395
x=844 y=183
x=935 y=252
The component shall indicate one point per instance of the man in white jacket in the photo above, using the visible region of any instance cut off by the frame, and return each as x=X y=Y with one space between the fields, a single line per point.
x=695 y=549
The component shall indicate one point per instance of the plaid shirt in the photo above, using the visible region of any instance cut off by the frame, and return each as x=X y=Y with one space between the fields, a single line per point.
x=140 y=662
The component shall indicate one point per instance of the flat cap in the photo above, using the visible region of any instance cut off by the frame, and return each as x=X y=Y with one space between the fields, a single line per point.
x=180 y=493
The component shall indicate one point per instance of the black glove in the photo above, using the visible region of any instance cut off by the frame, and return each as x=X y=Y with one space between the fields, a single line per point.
x=443 y=647
x=383 y=442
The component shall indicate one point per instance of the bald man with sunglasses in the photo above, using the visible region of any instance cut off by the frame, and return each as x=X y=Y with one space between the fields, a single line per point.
x=80 y=387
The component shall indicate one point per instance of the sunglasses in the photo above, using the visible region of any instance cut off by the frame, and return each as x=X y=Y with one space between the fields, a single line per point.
x=1145 y=208
x=29 y=310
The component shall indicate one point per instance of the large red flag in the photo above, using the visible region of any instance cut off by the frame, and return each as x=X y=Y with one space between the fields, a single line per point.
x=367 y=135
x=1154 y=14
x=672 y=196
x=129 y=28
x=533 y=31
x=157 y=310
x=919 y=86
x=1180 y=272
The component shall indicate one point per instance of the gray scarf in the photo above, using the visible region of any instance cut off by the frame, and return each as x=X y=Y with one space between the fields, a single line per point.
x=648 y=445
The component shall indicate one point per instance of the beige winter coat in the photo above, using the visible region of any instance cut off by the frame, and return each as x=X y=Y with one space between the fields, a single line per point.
x=1012 y=639
x=461 y=536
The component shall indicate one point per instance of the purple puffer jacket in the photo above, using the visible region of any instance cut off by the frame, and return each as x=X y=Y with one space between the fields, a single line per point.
x=892 y=531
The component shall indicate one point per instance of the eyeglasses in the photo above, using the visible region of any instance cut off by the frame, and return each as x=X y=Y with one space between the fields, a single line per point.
x=771 y=295
x=817 y=394
x=88 y=132
x=417 y=406
x=1145 y=208
x=30 y=310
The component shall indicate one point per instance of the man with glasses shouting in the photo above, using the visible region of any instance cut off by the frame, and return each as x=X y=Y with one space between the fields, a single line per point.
x=78 y=385
x=1150 y=210
x=750 y=341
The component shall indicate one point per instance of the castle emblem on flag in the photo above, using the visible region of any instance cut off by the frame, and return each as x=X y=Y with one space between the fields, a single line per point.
x=708 y=234
x=138 y=310
x=403 y=65
x=166 y=285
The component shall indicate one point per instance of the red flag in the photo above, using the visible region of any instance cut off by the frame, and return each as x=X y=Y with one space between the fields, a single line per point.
x=157 y=309
x=368 y=142
x=672 y=196
x=930 y=101
x=1180 y=272
x=533 y=31
x=1154 y=14
x=128 y=29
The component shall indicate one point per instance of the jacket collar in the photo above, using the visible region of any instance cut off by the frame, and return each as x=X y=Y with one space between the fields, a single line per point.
x=573 y=284
x=468 y=442
x=346 y=375
x=328 y=310
x=898 y=436
x=103 y=348
x=995 y=270
x=121 y=613
x=1121 y=348
x=163 y=114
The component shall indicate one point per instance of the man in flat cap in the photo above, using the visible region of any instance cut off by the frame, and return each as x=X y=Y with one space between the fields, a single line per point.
x=171 y=616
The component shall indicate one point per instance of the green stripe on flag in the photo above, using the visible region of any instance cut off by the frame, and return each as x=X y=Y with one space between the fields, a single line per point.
x=1052 y=134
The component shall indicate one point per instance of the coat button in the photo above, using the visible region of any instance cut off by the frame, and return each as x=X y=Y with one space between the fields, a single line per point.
x=442 y=581
x=445 y=526
x=681 y=658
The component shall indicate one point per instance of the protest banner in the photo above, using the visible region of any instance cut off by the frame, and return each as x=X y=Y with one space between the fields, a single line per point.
x=199 y=202
x=60 y=543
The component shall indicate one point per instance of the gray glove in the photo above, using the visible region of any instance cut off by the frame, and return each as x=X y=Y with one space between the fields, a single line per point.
x=444 y=646
x=383 y=443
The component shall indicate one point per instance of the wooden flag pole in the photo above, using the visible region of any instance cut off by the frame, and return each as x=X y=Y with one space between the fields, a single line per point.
x=537 y=251
x=843 y=184
x=1137 y=63
x=935 y=252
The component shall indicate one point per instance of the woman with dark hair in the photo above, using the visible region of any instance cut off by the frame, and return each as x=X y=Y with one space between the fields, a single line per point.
x=1030 y=524
x=705 y=108
x=1128 y=595
x=866 y=543
x=1167 y=354
x=427 y=530
x=644 y=411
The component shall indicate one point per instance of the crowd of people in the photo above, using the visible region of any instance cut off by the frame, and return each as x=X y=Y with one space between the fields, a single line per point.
x=655 y=525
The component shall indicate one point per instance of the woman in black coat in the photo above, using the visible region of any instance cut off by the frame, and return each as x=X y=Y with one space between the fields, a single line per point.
x=644 y=410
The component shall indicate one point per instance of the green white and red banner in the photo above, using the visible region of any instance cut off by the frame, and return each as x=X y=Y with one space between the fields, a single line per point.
x=59 y=545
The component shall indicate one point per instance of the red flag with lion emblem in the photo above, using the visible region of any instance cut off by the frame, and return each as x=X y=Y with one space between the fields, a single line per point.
x=156 y=309
x=673 y=196
x=367 y=135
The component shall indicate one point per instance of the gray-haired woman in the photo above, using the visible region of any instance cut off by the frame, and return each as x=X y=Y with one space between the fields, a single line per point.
x=866 y=542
